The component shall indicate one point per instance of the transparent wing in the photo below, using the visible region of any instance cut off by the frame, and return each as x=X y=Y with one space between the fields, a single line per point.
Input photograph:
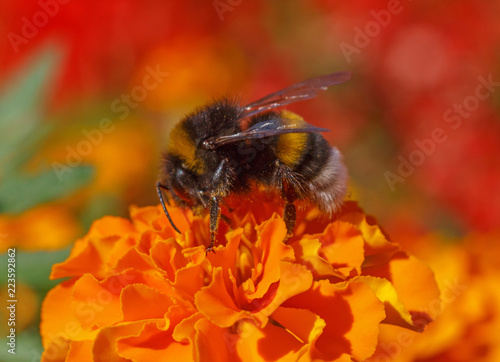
x=297 y=92
x=272 y=127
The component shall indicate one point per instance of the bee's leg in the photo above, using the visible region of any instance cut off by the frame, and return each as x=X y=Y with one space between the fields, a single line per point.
x=219 y=187
x=214 y=221
x=159 y=188
x=289 y=214
x=226 y=219
x=222 y=178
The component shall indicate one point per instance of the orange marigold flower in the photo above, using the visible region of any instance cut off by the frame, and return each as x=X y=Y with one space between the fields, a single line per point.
x=45 y=227
x=138 y=291
x=467 y=314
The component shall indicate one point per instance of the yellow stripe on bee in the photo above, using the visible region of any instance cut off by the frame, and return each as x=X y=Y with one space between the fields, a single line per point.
x=291 y=146
x=182 y=146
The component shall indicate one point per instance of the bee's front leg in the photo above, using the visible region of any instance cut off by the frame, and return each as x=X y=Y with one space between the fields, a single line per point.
x=220 y=185
x=214 y=221
x=159 y=188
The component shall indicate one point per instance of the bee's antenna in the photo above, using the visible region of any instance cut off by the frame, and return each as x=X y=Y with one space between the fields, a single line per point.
x=159 y=186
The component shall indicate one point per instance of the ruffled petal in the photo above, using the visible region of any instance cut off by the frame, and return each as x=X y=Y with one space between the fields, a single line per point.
x=154 y=343
x=414 y=283
x=217 y=304
x=271 y=343
x=352 y=314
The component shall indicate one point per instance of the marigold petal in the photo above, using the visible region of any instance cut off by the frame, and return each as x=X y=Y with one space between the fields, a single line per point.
x=153 y=217
x=99 y=250
x=94 y=305
x=81 y=261
x=80 y=351
x=352 y=314
x=295 y=279
x=216 y=304
x=164 y=255
x=105 y=347
x=57 y=320
x=378 y=249
x=138 y=301
x=307 y=252
x=271 y=236
x=368 y=312
x=184 y=330
x=245 y=289
x=190 y=278
x=56 y=351
x=270 y=343
x=302 y=323
x=154 y=343
x=396 y=312
x=133 y=259
x=414 y=283
x=110 y=226
x=342 y=246
x=226 y=256
x=213 y=343
x=113 y=249
x=154 y=279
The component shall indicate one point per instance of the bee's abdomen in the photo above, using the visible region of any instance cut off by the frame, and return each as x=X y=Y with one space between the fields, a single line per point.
x=319 y=168
x=291 y=147
x=313 y=157
x=303 y=153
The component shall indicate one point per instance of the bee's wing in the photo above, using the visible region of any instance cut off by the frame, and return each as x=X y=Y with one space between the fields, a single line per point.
x=297 y=92
x=272 y=127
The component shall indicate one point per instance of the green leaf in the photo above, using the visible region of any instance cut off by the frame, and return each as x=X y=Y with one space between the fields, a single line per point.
x=22 y=104
x=22 y=107
x=21 y=192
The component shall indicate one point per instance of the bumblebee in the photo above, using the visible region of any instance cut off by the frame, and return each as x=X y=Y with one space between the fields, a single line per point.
x=224 y=148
